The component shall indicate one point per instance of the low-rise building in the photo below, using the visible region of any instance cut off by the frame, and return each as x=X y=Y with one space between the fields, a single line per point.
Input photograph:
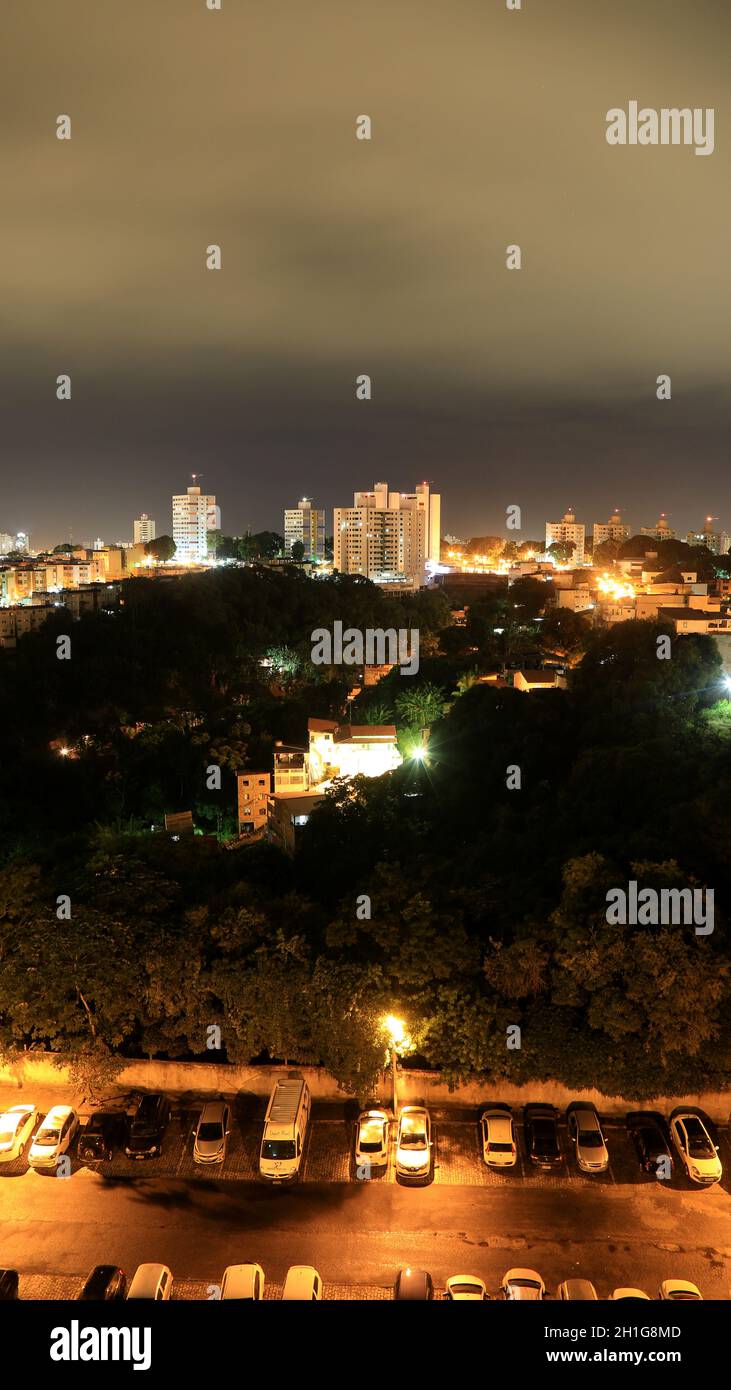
x=254 y=791
x=527 y=680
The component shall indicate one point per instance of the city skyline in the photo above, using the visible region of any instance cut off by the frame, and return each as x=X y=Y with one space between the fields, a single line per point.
x=342 y=256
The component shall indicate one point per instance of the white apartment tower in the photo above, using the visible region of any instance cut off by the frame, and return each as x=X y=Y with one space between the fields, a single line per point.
x=612 y=530
x=660 y=531
x=388 y=536
x=194 y=515
x=144 y=529
x=565 y=531
x=305 y=523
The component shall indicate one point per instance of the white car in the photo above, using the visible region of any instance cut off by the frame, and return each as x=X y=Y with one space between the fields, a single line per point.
x=16 y=1127
x=680 y=1291
x=577 y=1291
x=151 y=1283
x=302 y=1284
x=499 y=1142
x=54 y=1137
x=523 y=1284
x=585 y=1134
x=697 y=1151
x=371 y=1139
x=463 y=1288
x=214 y=1124
x=242 y=1283
x=413 y=1146
x=633 y=1295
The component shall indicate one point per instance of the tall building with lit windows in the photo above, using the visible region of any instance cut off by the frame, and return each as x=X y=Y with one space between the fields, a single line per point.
x=566 y=532
x=144 y=529
x=612 y=530
x=195 y=514
x=660 y=531
x=306 y=524
x=388 y=536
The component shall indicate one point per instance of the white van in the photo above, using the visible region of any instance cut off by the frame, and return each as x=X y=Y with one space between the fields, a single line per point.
x=285 y=1130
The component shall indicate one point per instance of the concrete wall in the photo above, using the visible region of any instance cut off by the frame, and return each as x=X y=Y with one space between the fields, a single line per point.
x=38 y=1069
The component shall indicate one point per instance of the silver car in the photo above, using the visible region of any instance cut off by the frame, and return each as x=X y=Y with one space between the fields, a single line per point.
x=211 y=1131
x=585 y=1133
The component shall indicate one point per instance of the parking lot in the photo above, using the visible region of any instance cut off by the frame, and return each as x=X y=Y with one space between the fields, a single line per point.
x=328 y=1156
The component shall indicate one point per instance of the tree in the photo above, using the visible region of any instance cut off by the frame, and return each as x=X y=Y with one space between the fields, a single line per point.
x=298 y=552
x=162 y=548
x=420 y=706
x=562 y=551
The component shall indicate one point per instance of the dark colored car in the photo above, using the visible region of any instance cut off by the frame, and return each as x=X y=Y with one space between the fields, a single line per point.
x=148 y=1127
x=8 y=1285
x=651 y=1146
x=105 y=1284
x=413 y=1284
x=541 y=1136
x=101 y=1136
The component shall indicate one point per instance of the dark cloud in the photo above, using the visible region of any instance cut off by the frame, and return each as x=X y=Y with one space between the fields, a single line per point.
x=339 y=256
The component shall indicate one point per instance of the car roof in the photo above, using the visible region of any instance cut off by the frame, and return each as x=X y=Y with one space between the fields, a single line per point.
x=58 y=1112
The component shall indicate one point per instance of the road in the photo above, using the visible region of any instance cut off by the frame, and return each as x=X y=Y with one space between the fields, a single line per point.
x=361 y=1233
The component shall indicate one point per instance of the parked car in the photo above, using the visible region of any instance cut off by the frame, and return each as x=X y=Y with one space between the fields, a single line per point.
x=371 y=1139
x=630 y=1295
x=499 y=1140
x=302 y=1284
x=151 y=1283
x=105 y=1132
x=461 y=1288
x=520 y=1285
x=651 y=1146
x=585 y=1133
x=242 y=1283
x=105 y=1284
x=541 y=1136
x=286 y=1126
x=16 y=1126
x=214 y=1125
x=697 y=1151
x=148 y=1127
x=577 y=1291
x=9 y=1281
x=54 y=1137
x=412 y=1285
x=414 y=1144
x=680 y=1291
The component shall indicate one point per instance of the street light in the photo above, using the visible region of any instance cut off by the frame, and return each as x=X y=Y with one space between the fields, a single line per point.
x=397 y=1038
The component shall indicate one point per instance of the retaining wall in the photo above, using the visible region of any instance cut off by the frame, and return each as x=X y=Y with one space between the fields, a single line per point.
x=38 y=1069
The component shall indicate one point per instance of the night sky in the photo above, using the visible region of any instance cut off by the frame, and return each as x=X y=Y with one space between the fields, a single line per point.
x=340 y=257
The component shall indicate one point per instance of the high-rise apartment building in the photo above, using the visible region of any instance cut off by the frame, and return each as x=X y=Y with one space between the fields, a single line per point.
x=195 y=514
x=660 y=531
x=306 y=524
x=612 y=530
x=565 y=532
x=715 y=541
x=388 y=536
x=144 y=529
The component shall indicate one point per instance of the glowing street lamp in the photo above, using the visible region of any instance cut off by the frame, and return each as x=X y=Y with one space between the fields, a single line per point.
x=398 y=1040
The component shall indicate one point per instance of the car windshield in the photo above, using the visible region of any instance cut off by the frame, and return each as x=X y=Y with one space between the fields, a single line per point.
x=278 y=1148
x=48 y=1137
x=370 y=1146
x=500 y=1148
x=545 y=1135
x=209 y=1132
x=699 y=1145
x=411 y=1140
x=590 y=1139
x=471 y=1289
x=7 y=1135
